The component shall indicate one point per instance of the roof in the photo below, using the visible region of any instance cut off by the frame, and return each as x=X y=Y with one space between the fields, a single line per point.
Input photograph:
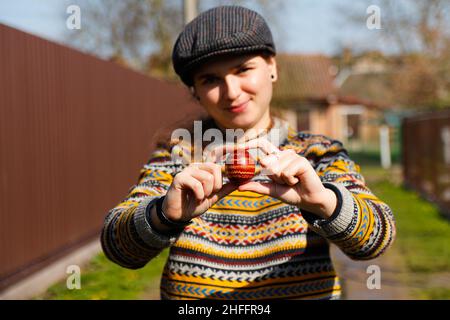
x=310 y=79
x=374 y=87
x=304 y=77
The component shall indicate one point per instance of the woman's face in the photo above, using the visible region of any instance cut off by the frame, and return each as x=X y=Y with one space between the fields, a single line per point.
x=236 y=90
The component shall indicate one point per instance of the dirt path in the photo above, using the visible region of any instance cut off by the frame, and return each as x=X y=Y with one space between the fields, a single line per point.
x=354 y=276
x=151 y=292
x=395 y=280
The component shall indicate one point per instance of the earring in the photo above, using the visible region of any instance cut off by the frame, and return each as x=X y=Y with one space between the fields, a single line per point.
x=272 y=76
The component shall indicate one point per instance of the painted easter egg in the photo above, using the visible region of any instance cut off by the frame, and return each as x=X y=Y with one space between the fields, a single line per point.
x=239 y=166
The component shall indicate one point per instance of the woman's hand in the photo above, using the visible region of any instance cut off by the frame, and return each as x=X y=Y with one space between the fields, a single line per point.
x=294 y=180
x=194 y=190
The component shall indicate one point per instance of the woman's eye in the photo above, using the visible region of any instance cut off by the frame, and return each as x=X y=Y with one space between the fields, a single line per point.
x=242 y=70
x=209 y=80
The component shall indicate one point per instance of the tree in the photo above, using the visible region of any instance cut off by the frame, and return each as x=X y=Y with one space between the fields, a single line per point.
x=418 y=30
x=142 y=32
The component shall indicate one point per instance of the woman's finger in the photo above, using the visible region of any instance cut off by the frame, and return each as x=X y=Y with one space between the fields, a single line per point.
x=215 y=170
x=265 y=188
x=224 y=191
x=274 y=165
x=277 y=162
x=187 y=182
x=205 y=178
x=263 y=144
x=272 y=189
x=282 y=192
x=288 y=164
x=289 y=174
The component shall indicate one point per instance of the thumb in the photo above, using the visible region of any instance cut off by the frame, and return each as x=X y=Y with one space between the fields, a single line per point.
x=258 y=187
x=224 y=191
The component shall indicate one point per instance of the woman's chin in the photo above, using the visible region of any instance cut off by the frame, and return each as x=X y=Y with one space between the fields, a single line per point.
x=241 y=123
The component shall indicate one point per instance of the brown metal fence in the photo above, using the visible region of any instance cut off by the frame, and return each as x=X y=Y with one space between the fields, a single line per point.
x=74 y=132
x=426 y=156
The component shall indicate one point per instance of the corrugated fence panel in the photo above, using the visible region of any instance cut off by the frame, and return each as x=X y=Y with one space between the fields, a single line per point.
x=74 y=132
x=426 y=156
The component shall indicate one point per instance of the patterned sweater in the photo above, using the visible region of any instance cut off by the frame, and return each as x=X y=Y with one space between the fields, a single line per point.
x=251 y=246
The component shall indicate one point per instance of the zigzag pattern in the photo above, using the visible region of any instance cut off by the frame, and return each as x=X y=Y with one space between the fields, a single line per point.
x=284 y=291
x=260 y=251
x=243 y=218
x=285 y=270
x=242 y=264
x=238 y=234
x=249 y=205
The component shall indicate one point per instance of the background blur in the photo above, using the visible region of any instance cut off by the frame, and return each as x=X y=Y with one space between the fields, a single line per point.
x=87 y=86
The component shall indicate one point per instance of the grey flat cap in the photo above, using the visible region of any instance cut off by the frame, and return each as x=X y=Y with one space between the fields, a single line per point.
x=218 y=31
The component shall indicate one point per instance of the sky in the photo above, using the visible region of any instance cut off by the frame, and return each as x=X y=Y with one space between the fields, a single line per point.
x=305 y=26
x=41 y=17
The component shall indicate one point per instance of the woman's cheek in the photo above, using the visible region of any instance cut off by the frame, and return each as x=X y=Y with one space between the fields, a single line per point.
x=253 y=84
x=260 y=81
x=212 y=96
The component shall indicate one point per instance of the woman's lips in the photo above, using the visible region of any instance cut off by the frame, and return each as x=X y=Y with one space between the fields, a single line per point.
x=239 y=108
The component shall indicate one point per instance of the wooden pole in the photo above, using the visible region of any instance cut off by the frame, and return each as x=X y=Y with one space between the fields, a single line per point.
x=190 y=10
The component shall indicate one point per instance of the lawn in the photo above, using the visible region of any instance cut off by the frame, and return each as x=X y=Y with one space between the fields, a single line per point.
x=422 y=232
x=101 y=279
x=423 y=238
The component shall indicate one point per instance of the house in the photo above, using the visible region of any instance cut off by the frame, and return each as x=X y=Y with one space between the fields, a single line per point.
x=308 y=96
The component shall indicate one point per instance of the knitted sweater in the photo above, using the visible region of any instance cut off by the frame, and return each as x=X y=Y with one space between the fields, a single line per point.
x=252 y=246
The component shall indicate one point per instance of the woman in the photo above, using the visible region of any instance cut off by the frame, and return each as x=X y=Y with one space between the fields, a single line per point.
x=265 y=238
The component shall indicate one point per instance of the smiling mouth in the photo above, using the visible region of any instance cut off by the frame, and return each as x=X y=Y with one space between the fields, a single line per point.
x=238 y=108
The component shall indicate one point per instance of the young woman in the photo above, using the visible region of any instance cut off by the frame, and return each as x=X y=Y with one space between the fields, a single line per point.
x=266 y=238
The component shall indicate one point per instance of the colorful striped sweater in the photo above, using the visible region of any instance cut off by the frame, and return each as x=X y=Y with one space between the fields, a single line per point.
x=250 y=246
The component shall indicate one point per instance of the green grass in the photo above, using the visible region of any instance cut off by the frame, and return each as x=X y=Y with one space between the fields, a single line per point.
x=434 y=293
x=372 y=157
x=102 y=279
x=422 y=233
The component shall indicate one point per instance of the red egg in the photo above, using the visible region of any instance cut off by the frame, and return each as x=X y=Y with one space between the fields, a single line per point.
x=239 y=166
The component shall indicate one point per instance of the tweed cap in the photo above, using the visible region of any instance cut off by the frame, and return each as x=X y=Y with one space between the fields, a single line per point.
x=219 y=31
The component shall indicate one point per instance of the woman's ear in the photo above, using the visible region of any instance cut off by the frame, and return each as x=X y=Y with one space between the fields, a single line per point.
x=272 y=63
x=194 y=94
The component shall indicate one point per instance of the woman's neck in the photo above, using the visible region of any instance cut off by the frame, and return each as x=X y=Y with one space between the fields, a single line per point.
x=264 y=123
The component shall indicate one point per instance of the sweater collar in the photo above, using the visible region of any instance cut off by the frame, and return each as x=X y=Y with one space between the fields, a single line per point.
x=279 y=132
x=276 y=134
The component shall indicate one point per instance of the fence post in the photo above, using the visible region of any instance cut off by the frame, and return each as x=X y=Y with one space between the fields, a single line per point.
x=385 y=147
x=445 y=135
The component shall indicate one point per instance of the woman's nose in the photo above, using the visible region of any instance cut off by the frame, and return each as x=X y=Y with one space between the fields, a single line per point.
x=232 y=87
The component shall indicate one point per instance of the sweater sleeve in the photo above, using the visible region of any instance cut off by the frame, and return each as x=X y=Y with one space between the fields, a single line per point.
x=362 y=225
x=127 y=237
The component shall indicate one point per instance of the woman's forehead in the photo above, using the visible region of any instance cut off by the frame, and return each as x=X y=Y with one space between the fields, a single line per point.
x=225 y=63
